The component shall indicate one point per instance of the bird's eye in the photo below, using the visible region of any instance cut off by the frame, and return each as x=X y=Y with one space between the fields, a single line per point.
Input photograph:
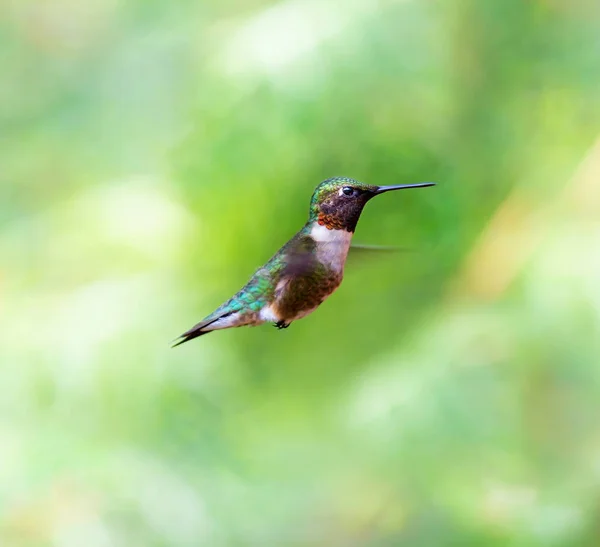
x=348 y=191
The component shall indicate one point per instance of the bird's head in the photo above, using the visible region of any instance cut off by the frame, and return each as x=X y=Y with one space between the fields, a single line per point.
x=337 y=202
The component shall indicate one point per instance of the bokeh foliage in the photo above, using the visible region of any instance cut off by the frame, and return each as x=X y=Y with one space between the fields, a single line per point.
x=153 y=154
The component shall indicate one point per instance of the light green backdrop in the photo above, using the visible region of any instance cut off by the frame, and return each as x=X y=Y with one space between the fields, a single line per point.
x=153 y=154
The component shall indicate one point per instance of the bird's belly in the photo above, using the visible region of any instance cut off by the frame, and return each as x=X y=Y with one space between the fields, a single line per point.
x=299 y=297
x=268 y=314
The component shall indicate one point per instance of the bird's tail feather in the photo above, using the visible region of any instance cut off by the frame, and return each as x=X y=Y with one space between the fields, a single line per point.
x=199 y=329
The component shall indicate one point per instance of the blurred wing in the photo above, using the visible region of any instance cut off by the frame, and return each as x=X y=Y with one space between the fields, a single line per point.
x=359 y=252
x=357 y=248
x=299 y=258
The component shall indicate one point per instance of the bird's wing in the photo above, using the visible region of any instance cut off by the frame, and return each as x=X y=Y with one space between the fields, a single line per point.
x=298 y=257
x=359 y=253
x=300 y=254
x=357 y=248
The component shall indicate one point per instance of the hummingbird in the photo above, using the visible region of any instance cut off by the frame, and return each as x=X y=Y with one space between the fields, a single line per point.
x=307 y=269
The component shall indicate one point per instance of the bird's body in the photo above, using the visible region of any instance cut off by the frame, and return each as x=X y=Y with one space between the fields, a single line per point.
x=306 y=270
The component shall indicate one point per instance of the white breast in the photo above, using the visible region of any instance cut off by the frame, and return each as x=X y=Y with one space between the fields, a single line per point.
x=332 y=246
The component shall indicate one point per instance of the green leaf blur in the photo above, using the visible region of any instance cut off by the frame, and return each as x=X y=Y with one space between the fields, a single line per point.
x=153 y=154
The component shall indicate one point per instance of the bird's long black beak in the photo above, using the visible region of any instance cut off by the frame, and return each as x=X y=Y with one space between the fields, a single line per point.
x=383 y=189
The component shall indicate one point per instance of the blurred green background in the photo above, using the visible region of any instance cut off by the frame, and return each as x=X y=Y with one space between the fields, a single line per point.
x=154 y=153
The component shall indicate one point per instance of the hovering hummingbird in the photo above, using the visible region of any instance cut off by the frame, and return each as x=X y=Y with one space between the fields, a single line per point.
x=307 y=269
